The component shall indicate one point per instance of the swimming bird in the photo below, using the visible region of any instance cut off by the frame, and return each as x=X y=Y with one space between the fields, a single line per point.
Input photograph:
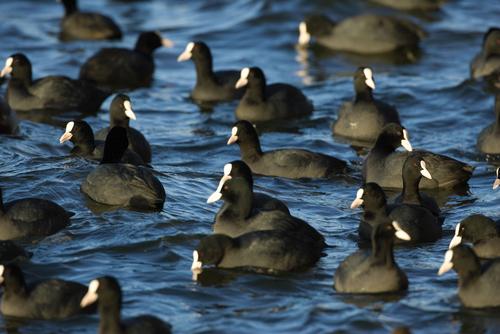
x=364 y=117
x=375 y=270
x=31 y=218
x=419 y=223
x=86 y=25
x=84 y=145
x=482 y=232
x=477 y=284
x=262 y=102
x=384 y=165
x=260 y=201
x=52 y=92
x=413 y=169
x=290 y=163
x=106 y=291
x=238 y=215
x=364 y=34
x=49 y=300
x=124 y=185
x=121 y=68
x=120 y=114
x=269 y=251
x=211 y=86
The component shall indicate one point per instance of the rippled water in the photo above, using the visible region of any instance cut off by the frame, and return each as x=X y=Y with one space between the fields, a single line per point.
x=151 y=252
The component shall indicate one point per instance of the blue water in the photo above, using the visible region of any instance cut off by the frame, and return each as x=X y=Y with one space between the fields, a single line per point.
x=150 y=253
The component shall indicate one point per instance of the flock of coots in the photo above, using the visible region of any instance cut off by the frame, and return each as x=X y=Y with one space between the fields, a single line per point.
x=252 y=230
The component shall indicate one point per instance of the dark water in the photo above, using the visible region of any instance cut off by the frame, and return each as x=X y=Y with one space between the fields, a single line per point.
x=150 y=253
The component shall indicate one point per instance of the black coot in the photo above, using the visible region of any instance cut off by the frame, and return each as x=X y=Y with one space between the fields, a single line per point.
x=267 y=251
x=262 y=102
x=413 y=169
x=290 y=163
x=10 y=252
x=487 y=61
x=120 y=114
x=364 y=117
x=260 y=201
x=120 y=68
x=51 y=299
x=419 y=223
x=124 y=185
x=365 y=34
x=85 y=25
x=374 y=271
x=211 y=86
x=84 y=145
x=31 y=218
x=489 y=139
x=238 y=215
x=384 y=165
x=108 y=294
x=477 y=284
x=52 y=92
x=482 y=232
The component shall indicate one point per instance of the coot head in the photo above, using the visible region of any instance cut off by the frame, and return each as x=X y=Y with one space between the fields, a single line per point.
x=461 y=258
x=238 y=168
x=415 y=167
x=363 y=80
x=115 y=146
x=243 y=132
x=253 y=77
x=491 y=41
x=210 y=250
x=474 y=228
x=371 y=195
x=232 y=190
x=149 y=41
x=106 y=290
x=316 y=26
x=19 y=67
x=120 y=111
x=12 y=277
x=392 y=136
x=197 y=51
x=77 y=132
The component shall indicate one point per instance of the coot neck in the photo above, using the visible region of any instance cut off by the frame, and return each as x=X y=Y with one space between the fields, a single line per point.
x=15 y=286
x=144 y=49
x=363 y=94
x=85 y=146
x=2 y=209
x=382 y=148
x=239 y=208
x=110 y=319
x=250 y=149
x=204 y=69
x=383 y=249
x=255 y=92
x=467 y=269
x=410 y=192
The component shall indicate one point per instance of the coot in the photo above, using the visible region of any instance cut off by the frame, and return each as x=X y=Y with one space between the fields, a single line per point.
x=482 y=232
x=364 y=117
x=489 y=139
x=290 y=163
x=487 y=61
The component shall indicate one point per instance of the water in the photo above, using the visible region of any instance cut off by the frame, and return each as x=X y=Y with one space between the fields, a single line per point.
x=150 y=253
